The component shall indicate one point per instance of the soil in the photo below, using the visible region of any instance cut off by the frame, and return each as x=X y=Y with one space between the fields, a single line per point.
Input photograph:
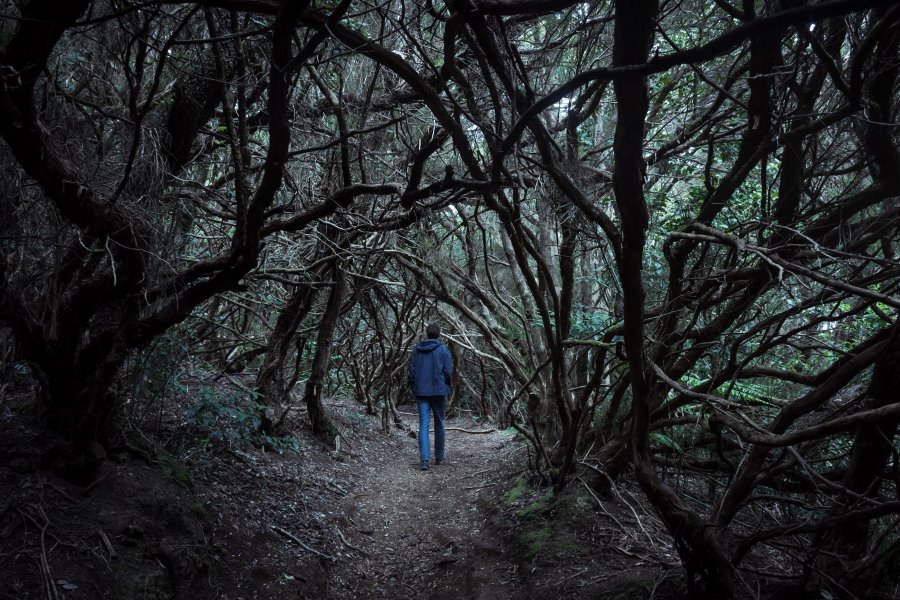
x=180 y=516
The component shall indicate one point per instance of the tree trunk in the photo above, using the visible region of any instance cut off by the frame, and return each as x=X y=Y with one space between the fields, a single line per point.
x=271 y=380
x=78 y=402
x=80 y=341
x=312 y=397
x=872 y=447
x=699 y=550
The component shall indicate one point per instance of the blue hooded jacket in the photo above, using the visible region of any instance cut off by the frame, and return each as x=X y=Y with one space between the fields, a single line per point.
x=430 y=369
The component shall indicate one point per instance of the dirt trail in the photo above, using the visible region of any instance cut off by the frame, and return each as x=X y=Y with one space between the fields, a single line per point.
x=367 y=523
x=237 y=523
x=229 y=521
x=428 y=534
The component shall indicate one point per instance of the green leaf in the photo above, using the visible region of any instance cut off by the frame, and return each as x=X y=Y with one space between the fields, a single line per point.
x=666 y=441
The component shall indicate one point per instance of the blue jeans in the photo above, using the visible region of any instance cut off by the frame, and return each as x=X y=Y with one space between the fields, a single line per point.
x=428 y=405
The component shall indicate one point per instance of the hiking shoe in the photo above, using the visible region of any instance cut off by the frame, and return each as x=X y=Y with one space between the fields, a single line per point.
x=424 y=466
x=440 y=461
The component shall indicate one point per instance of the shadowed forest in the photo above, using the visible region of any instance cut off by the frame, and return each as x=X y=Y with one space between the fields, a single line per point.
x=660 y=236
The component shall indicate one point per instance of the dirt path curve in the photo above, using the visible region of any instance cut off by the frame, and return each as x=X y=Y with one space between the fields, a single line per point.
x=428 y=534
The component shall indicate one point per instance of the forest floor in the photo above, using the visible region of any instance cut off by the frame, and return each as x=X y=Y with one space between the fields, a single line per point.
x=225 y=520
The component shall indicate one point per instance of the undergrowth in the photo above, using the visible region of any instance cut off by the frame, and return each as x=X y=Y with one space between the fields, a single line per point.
x=232 y=417
x=545 y=520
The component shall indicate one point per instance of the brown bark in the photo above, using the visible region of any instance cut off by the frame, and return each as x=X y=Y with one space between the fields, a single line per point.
x=79 y=349
x=844 y=370
x=270 y=381
x=312 y=396
x=872 y=446
x=700 y=551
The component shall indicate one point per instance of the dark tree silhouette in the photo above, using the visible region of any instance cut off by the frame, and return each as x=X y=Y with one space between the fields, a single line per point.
x=661 y=237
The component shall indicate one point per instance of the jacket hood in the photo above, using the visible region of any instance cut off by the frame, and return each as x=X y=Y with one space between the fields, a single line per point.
x=427 y=345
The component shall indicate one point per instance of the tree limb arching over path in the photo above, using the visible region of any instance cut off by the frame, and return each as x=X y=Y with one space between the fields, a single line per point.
x=662 y=238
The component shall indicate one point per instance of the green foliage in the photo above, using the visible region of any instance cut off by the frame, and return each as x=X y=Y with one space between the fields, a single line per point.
x=154 y=371
x=588 y=322
x=537 y=507
x=357 y=420
x=547 y=521
x=234 y=418
x=666 y=441
x=535 y=540
x=174 y=470
x=753 y=392
x=516 y=491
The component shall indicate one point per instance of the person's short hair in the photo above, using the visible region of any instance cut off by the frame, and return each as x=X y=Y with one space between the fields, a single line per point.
x=433 y=331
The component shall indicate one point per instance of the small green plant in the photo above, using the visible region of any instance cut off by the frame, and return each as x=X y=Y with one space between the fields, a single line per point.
x=516 y=491
x=546 y=524
x=665 y=440
x=536 y=540
x=235 y=418
x=154 y=371
x=357 y=420
x=537 y=507
x=177 y=472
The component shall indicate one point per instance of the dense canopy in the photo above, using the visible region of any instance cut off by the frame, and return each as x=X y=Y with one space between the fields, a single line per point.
x=661 y=237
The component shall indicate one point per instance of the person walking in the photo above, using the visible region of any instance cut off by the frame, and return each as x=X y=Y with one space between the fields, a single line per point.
x=430 y=371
